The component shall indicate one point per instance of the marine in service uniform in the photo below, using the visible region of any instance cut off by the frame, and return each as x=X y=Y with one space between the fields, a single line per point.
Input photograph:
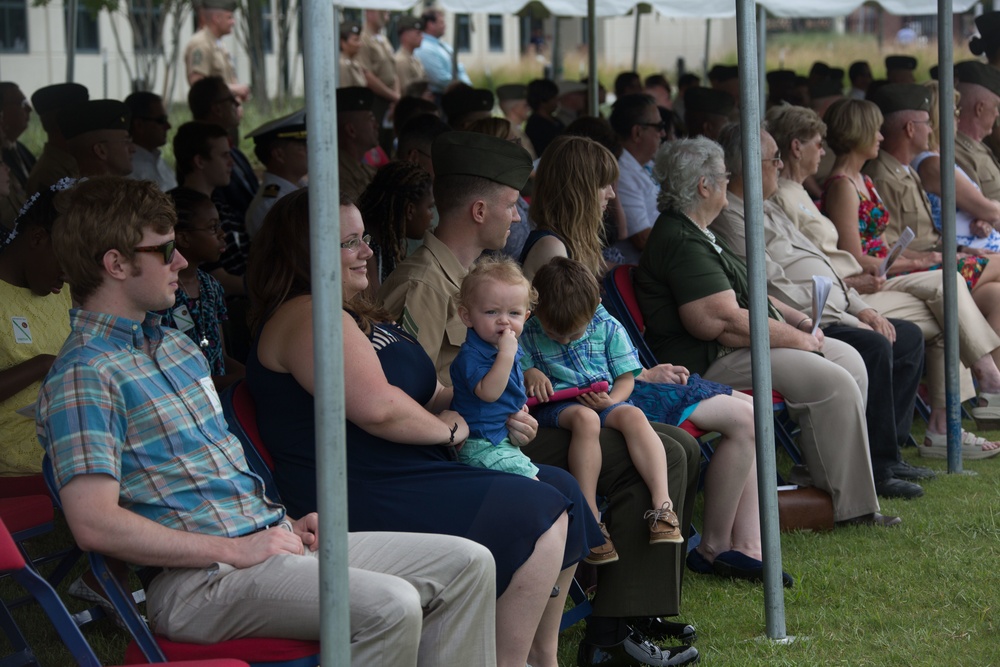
x=351 y=72
x=980 y=87
x=409 y=69
x=55 y=162
x=205 y=55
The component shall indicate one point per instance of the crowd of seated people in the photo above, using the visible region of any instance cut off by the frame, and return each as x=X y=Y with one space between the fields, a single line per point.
x=140 y=287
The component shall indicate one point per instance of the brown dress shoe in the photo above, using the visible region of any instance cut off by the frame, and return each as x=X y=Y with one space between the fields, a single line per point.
x=664 y=527
x=605 y=553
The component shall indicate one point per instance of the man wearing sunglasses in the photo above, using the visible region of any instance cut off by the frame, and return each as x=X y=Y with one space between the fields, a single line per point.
x=149 y=474
x=636 y=121
x=149 y=132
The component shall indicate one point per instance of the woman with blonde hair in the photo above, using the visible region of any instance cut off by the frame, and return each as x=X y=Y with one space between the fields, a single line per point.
x=573 y=185
x=976 y=215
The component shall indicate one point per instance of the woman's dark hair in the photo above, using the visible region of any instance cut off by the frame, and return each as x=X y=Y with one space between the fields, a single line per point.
x=383 y=208
x=598 y=129
x=279 y=266
x=41 y=210
x=541 y=91
x=186 y=202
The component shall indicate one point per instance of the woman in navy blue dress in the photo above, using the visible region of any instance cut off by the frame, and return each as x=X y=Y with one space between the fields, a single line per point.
x=402 y=473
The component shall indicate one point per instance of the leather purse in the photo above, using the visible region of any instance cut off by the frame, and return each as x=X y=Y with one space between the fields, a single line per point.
x=804 y=508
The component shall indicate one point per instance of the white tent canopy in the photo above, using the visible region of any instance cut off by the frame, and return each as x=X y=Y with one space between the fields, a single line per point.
x=675 y=8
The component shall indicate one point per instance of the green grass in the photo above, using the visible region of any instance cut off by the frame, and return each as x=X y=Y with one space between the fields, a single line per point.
x=921 y=594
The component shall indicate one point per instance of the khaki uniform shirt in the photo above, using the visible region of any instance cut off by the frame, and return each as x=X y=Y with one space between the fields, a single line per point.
x=53 y=164
x=419 y=295
x=906 y=201
x=376 y=56
x=979 y=164
x=408 y=69
x=792 y=260
x=354 y=176
x=796 y=203
x=205 y=55
x=351 y=73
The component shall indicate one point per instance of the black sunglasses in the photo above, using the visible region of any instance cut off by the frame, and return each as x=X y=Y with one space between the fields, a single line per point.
x=162 y=120
x=167 y=249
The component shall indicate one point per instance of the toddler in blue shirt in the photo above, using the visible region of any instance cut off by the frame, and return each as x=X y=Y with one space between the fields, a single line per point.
x=494 y=301
x=572 y=341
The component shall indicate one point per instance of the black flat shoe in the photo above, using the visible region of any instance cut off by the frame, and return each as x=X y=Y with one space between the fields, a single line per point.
x=874 y=519
x=911 y=473
x=737 y=565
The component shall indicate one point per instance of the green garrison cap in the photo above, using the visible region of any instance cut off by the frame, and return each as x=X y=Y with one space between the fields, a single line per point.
x=226 y=5
x=973 y=71
x=900 y=62
x=463 y=100
x=292 y=126
x=894 y=97
x=408 y=23
x=708 y=100
x=94 y=115
x=781 y=77
x=473 y=154
x=988 y=24
x=512 y=91
x=52 y=98
x=825 y=88
x=354 y=98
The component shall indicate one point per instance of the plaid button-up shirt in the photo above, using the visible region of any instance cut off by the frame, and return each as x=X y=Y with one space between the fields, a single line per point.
x=603 y=353
x=152 y=421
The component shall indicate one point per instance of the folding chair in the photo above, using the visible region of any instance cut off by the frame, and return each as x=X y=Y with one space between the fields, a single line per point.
x=147 y=647
x=12 y=563
x=241 y=418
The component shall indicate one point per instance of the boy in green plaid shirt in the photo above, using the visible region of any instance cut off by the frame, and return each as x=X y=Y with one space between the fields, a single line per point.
x=572 y=341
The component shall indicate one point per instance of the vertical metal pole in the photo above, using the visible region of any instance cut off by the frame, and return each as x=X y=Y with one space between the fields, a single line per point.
x=454 y=51
x=760 y=346
x=104 y=71
x=946 y=112
x=321 y=63
x=592 y=101
x=708 y=41
x=71 y=40
x=635 y=41
x=762 y=54
x=557 y=66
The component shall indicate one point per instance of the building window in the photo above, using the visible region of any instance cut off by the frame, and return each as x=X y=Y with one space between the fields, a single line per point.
x=267 y=26
x=13 y=26
x=463 y=33
x=147 y=26
x=496 y=32
x=87 y=36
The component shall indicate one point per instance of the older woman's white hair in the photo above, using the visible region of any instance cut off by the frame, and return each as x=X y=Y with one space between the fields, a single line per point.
x=680 y=165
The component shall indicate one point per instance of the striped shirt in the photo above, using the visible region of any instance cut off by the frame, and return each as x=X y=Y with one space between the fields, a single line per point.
x=152 y=421
x=603 y=353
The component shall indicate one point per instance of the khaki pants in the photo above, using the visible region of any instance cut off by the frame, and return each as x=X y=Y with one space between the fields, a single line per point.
x=826 y=396
x=416 y=599
x=919 y=298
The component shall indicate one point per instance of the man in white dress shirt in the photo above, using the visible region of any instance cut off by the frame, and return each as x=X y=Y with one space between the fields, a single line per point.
x=281 y=146
x=149 y=132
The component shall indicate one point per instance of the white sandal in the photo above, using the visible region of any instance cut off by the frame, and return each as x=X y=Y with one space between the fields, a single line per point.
x=936 y=446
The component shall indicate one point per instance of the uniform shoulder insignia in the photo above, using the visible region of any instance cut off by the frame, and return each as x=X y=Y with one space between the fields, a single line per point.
x=272 y=190
x=196 y=57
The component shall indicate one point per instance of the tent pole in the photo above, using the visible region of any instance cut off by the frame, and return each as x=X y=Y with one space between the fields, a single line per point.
x=760 y=348
x=321 y=64
x=592 y=101
x=454 y=52
x=71 y=41
x=635 y=41
x=556 y=55
x=946 y=86
x=762 y=53
x=708 y=41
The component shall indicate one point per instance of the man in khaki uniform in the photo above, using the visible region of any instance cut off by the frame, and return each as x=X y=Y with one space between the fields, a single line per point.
x=408 y=68
x=377 y=57
x=513 y=99
x=205 y=55
x=55 y=162
x=351 y=71
x=357 y=133
x=906 y=130
x=980 y=87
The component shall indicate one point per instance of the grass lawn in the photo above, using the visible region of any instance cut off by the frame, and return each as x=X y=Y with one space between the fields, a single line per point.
x=923 y=593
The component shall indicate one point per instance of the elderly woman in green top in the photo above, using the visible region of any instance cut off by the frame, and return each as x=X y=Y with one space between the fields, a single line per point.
x=693 y=294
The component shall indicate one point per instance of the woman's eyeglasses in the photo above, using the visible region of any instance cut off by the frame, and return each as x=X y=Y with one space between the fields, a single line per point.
x=353 y=244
